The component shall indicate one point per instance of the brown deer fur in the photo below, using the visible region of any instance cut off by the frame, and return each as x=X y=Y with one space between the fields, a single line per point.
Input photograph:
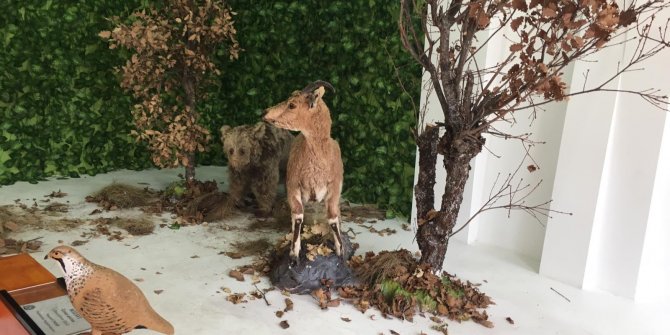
x=314 y=171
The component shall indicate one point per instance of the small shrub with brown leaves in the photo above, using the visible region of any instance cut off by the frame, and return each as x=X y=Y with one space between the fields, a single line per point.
x=172 y=45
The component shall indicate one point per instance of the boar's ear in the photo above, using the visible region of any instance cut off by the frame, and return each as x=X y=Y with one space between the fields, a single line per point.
x=258 y=131
x=225 y=132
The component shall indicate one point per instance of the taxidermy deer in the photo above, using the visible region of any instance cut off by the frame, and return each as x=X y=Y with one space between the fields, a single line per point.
x=314 y=171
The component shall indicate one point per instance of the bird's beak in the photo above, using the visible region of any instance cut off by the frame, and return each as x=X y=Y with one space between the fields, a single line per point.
x=46 y=256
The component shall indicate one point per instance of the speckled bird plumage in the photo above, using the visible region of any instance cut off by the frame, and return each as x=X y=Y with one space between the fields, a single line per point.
x=110 y=302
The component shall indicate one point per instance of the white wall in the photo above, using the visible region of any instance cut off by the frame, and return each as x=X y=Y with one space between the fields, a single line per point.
x=519 y=231
x=655 y=263
x=618 y=180
x=607 y=160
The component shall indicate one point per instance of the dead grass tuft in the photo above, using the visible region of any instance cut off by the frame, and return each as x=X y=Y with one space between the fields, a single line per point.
x=384 y=266
x=13 y=218
x=118 y=195
x=212 y=206
x=267 y=224
x=136 y=227
x=252 y=247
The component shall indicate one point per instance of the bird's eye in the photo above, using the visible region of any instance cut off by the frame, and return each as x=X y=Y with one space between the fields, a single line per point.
x=241 y=151
x=291 y=105
x=231 y=151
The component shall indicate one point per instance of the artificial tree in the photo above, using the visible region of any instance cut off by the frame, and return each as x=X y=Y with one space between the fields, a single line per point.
x=172 y=47
x=546 y=36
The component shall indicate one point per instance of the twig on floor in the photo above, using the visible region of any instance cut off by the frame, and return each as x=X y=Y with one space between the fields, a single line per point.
x=262 y=294
x=559 y=293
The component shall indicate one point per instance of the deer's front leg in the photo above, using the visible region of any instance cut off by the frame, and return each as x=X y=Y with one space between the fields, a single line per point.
x=297 y=216
x=333 y=208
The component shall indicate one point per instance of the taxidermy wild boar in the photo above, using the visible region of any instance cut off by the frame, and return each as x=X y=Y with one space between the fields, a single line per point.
x=257 y=156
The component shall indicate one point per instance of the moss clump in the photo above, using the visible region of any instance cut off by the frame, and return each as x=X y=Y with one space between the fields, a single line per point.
x=176 y=189
x=392 y=290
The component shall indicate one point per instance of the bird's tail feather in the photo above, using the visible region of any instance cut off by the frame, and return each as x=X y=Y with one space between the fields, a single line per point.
x=160 y=325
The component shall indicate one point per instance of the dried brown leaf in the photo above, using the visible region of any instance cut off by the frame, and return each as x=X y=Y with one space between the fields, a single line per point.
x=334 y=303
x=289 y=305
x=233 y=255
x=11 y=225
x=516 y=23
x=236 y=274
x=627 y=17
x=483 y=20
x=237 y=298
x=56 y=194
x=520 y=5
x=516 y=47
x=284 y=324
x=548 y=12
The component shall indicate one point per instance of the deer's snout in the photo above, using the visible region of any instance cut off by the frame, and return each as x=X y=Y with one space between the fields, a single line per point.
x=267 y=117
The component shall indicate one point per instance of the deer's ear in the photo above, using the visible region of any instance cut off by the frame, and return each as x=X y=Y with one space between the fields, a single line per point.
x=315 y=96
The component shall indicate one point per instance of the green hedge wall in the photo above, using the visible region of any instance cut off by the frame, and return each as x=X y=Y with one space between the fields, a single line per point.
x=63 y=112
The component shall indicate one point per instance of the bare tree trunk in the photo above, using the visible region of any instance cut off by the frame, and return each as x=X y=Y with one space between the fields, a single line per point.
x=189 y=170
x=435 y=228
x=424 y=190
x=189 y=88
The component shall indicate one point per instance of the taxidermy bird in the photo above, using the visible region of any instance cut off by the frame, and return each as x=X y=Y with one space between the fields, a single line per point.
x=110 y=302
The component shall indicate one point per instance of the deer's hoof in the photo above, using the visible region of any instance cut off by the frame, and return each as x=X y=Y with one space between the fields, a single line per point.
x=295 y=262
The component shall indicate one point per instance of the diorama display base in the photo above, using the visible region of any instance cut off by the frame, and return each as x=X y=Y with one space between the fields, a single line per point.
x=305 y=276
x=184 y=274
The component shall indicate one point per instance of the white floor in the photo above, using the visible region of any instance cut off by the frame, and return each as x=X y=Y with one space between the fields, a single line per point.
x=194 y=302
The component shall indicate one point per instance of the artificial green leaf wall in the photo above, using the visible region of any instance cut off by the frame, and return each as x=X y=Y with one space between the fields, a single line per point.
x=63 y=112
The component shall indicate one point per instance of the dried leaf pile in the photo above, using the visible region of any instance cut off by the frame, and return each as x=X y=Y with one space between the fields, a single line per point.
x=393 y=282
x=15 y=218
x=195 y=203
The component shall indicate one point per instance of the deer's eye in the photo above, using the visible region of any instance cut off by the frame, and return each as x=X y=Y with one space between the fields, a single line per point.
x=291 y=105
